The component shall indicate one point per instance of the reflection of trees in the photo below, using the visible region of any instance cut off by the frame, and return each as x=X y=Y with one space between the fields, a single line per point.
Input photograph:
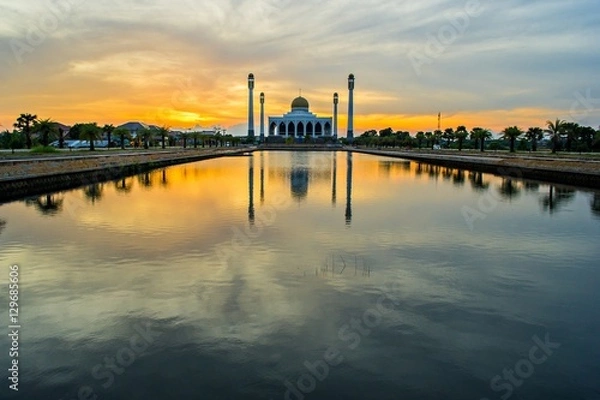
x=509 y=189
x=433 y=171
x=447 y=173
x=46 y=205
x=2 y=225
x=387 y=167
x=531 y=186
x=163 y=180
x=595 y=204
x=419 y=170
x=93 y=192
x=123 y=185
x=144 y=179
x=477 y=183
x=555 y=198
x=458 y=178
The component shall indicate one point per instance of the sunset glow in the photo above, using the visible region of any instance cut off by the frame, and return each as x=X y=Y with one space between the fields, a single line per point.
x=184 y=63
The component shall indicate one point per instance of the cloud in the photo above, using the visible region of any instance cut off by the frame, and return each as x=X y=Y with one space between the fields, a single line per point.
x=185 y=61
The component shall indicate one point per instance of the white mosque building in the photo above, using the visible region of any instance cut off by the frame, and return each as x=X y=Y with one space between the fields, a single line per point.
x=300 y=122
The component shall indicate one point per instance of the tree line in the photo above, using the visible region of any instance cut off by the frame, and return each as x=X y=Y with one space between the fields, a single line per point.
x=30 y=131
x=557 y=135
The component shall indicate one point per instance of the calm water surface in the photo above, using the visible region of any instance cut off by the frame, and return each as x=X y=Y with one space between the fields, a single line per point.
x=306 y=276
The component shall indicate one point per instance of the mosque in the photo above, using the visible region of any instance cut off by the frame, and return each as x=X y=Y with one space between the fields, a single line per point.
x=299 y=122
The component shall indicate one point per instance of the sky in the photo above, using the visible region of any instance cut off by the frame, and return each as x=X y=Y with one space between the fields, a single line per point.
x=184 y=63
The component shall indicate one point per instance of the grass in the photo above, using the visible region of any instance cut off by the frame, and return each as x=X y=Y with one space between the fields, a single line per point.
x=43 y=150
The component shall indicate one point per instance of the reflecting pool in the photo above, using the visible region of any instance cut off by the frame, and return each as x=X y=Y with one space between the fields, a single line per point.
x=306 y=275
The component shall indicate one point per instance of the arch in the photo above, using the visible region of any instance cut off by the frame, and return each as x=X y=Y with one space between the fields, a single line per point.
x=309 y=129
x=291 y=129
x=282 y=129
x=318 y=129
x=272 y=128
x=300 y=129
x=327 y=129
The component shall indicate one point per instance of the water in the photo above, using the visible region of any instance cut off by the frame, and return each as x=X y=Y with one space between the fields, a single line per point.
x=306 y=275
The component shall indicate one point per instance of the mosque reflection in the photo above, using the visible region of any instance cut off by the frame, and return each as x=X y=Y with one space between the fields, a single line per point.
x=302 y=177
x=303 y=170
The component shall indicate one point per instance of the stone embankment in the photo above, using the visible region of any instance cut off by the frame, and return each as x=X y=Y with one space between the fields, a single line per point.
x=25 y=176
x=568 y=171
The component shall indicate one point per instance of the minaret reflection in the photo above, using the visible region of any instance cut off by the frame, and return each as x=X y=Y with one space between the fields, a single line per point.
x=262 y=177
x=334 y=179
x=251 y=189
x=349 y=189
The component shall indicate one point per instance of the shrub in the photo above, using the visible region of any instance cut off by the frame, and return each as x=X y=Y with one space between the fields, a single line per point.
x=43 y=150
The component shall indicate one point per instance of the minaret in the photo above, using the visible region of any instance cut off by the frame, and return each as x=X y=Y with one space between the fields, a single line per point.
x=251 y=106
x=350 y=135
x=336 y=100
x=349 y=189
x=262 y=117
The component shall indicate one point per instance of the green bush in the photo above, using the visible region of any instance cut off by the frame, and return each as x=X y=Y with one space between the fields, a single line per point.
x=43 y=150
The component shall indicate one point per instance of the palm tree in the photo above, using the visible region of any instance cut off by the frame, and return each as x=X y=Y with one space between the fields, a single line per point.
x=571 y=130
x=437 y=135
x=461 y=134
x=108 y=129
x=25 y=123
x=428 y=136
x=184 y=138
x=163 y=132
x=61 y=136
x=195 y=136
x=44 y=128
x=146 y=135
x=481 y=134
x=512 y=133
x=90 y=131
x=420 y=136
x=123 y=134
x=448 y=135
x=554 y=130
x=534 y=134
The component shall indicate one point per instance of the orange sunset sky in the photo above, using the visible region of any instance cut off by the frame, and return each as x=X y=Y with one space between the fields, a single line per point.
x=184 y=63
